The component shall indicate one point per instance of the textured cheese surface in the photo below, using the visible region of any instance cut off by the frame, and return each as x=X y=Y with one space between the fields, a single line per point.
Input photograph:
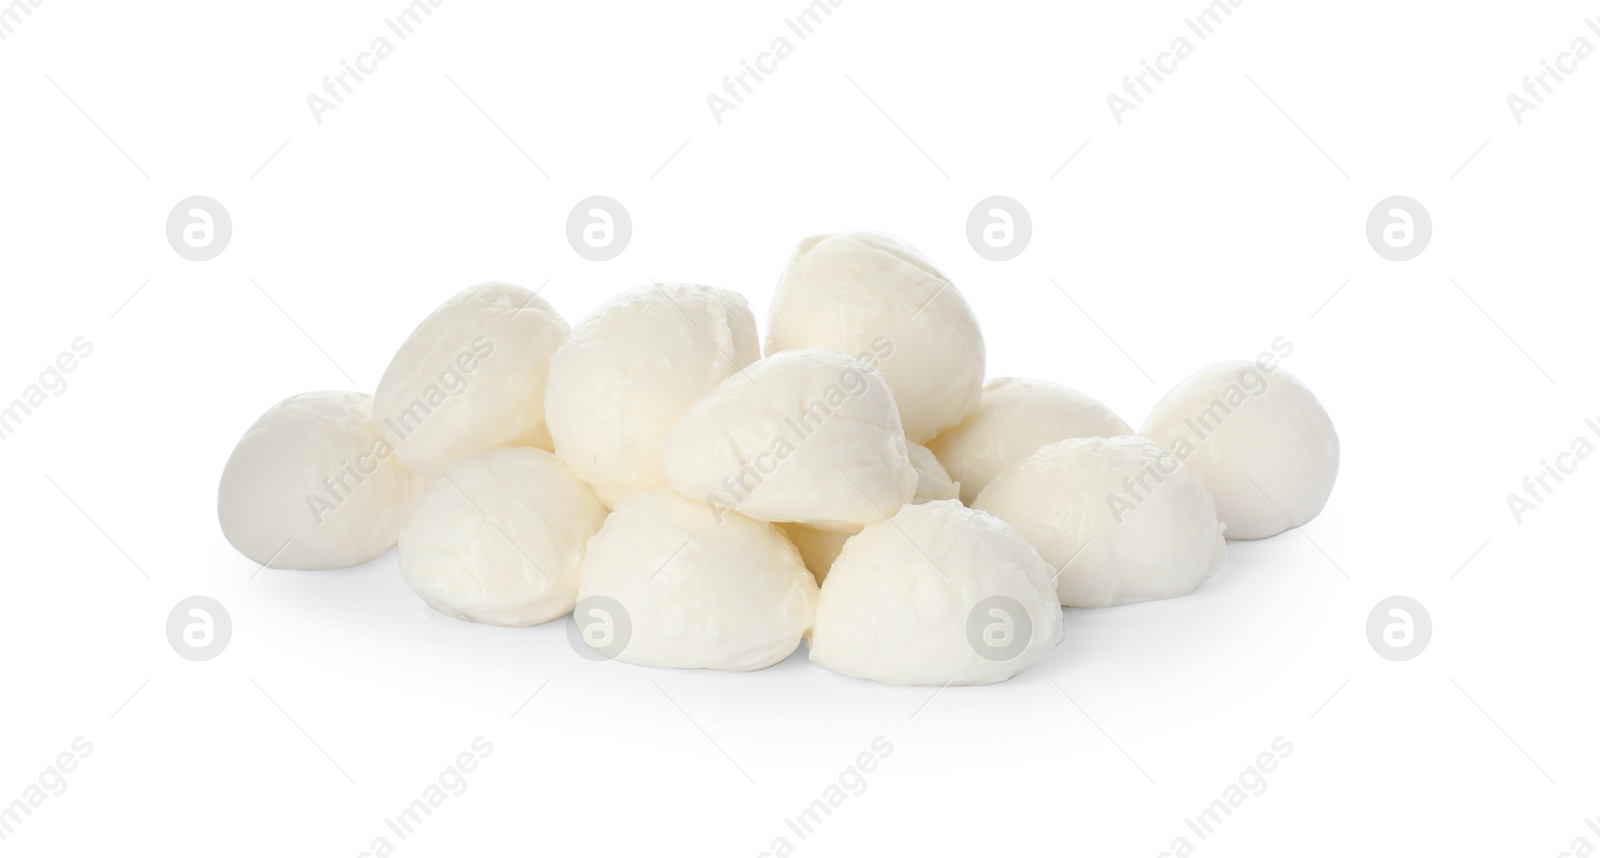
x=874 y=296
x=1016 y=417
x=499 y=538
x=898 y=602
x=1262 y=442
x=808 y=436
x=700 y=589
x=312 y=485
x=1117 y=519
x=631 y=368
x=470 y=378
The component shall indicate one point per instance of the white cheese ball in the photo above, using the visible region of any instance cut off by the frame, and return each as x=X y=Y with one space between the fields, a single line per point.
x=470 y=378
x=1018 y=416
x=631 y=368
x=818 y=548
x=499 y=537
x=313 y=485
x=933 y=481
x=871 y=295
x=699 y=588
x=938 y=594
x=1258 y=437
x=808 y=436
x=1117 y=519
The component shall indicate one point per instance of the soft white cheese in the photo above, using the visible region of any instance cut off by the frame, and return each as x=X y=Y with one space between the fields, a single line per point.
x=818 y=548
x=499 y=537
x=873 y=296
x=628 y=372
x=1016 y=417
x=1259 y=438
x=929 y=597
x=313 y=485
x=808 y=436
x=1117 y=519
x=470 y=378
x=933 y=481
x=699 y=588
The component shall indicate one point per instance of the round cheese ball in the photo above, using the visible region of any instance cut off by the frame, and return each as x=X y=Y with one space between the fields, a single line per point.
x=818 y=548
x=698 y=587
x=631 y=368
x=933 y=481
x=470 y=378
x=939 y=594
x=499 y=537
x=1117 y=519
x=809 y=436
x=313 y=485
x=1259 y=438
x=1018 y=416
x=873 y=296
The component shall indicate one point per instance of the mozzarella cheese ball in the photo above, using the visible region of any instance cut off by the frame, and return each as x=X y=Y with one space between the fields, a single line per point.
x=1258 y=437
x=933 y=481
x=809 y=436
x=1018 y=416
x=938 y=594
x=700 y=587
x=498 y=539
x=631 y=368
x=1117 y=519
x=818 y=548
x=873 y=296
x=470 y=378
x=313 y=485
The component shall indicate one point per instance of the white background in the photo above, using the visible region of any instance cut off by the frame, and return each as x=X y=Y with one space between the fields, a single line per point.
x=1202 y=227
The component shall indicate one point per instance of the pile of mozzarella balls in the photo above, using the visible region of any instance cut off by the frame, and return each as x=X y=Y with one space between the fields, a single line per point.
x=860 y=487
